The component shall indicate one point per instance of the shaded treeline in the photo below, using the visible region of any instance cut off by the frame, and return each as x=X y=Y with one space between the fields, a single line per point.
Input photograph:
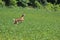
x=24 y=3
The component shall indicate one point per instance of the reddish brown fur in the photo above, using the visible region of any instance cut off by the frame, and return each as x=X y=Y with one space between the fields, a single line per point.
x=21 y=19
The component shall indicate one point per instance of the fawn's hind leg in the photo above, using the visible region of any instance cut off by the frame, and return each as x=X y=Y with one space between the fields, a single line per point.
x=15 y=22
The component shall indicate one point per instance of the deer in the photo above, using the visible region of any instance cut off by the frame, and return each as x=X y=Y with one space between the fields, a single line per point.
x=21 y=19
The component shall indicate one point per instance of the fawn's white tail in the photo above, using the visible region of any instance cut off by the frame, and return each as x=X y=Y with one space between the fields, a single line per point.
x=13 y=20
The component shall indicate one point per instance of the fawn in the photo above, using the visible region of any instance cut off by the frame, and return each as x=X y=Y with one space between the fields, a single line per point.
x=21 y=19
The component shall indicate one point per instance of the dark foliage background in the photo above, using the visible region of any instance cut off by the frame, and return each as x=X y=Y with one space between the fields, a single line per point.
x=28 y=3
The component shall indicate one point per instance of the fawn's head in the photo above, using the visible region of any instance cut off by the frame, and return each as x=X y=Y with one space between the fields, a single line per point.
x=23 y=15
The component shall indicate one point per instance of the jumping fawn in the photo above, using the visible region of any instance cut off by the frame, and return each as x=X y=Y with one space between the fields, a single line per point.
x=21 y=19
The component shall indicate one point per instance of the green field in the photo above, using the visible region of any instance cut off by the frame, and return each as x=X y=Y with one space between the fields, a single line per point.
x=39 y=24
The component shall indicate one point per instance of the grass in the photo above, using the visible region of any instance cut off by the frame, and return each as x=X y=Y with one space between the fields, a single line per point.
x=39 y=24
